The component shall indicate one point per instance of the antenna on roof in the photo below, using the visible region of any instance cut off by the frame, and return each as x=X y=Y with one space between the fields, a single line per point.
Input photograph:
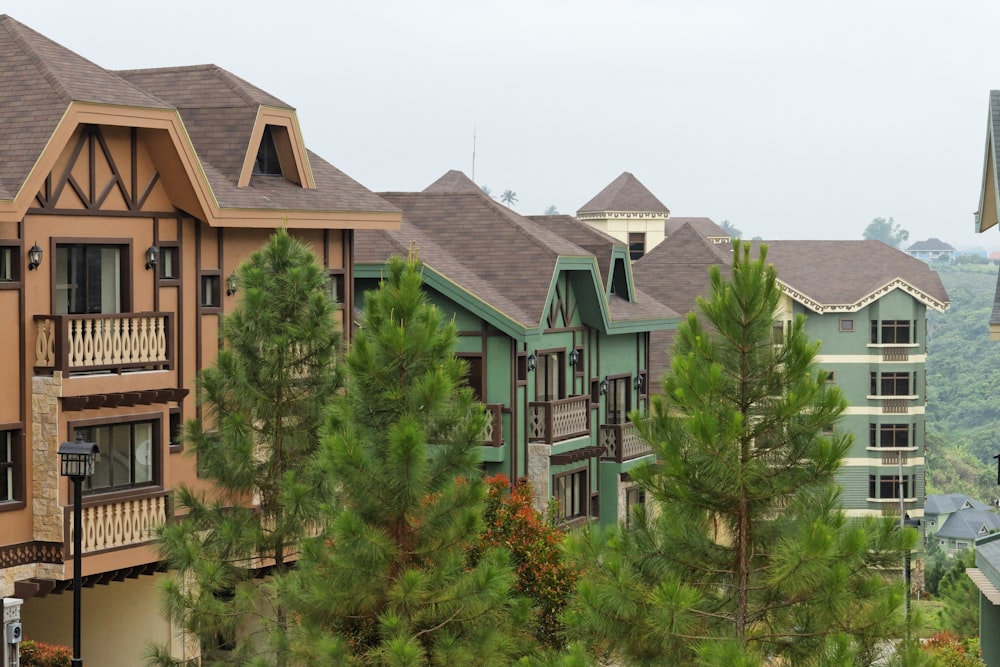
x=473 y=152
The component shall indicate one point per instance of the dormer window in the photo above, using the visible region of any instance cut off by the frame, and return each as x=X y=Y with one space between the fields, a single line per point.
x=267 y=163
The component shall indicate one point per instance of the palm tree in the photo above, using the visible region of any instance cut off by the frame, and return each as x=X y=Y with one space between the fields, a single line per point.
x=509 y=197
x=552 y=210
x=486 y=190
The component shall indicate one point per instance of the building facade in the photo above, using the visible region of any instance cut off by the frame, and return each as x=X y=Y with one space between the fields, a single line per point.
x=127 y=201
x=866 y=303
x=554 y=331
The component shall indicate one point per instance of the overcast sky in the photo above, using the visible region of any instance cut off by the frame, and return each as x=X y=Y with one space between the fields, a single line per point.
x=790 y=119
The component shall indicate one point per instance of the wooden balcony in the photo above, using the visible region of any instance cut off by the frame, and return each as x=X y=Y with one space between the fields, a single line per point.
x=103 y=343
x=555 y=421
x=116 y=524
x=621 y=442
x=493 y=435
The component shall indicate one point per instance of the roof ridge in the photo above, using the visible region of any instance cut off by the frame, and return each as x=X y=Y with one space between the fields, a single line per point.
x=39 y=62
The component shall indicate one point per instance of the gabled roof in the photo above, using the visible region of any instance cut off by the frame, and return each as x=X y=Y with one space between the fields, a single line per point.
x=704 y=226
x=594 y=241
x=946 y=503
x=210 y=119
x=863 y=271
x=40 y=79
x=495 y=257
x=988 y=212
x=932 y=244
x=624 y=194
x=968 y=524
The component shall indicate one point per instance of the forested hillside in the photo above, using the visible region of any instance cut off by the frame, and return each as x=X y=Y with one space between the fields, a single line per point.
x=963 y=387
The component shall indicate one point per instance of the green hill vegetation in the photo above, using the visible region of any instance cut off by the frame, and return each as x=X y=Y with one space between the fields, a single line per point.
x=963 y=383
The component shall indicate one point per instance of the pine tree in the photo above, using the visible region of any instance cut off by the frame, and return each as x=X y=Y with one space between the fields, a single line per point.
x=389 y=581
x=262 y=405
x=747 y=555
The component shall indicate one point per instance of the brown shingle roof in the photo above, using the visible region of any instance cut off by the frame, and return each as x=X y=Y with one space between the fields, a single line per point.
x=38 y=80
x=932 y=244
x=704 y=226
x=454 y=181
x=592 y=240
x=625 y=193
x=842 y=273
x=502 y=258
x=219 y=109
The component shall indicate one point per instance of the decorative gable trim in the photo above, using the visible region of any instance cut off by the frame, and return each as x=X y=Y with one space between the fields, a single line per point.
x=288 y=140
x=989 y=203
x=869 y=298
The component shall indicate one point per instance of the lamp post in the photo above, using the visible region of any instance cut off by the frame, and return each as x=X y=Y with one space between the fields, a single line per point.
x=77 y=463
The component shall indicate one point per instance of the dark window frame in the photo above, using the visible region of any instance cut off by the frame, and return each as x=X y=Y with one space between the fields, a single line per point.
x=847 y=325
x=210 y=284
x=12 y=467
x=125 y=268
x=11 y=266
x=170 y=256
x=155 y=420
x=890 y=435
x=577 y=476
x=887 y=487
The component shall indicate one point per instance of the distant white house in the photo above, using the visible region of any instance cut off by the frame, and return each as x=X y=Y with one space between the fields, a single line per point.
x=932 y=250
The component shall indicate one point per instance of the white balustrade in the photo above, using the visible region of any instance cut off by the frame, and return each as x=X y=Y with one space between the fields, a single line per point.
x=118 y=524
x=102 y=341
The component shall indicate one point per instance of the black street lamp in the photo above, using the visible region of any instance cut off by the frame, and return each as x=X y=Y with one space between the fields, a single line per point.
x=77 y=463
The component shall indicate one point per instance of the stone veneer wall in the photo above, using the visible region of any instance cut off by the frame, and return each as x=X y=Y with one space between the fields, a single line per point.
x=538 y=474
x=47 y=515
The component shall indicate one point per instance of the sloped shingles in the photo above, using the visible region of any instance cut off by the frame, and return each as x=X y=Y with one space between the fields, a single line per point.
x=40 y=79
x=625 y=193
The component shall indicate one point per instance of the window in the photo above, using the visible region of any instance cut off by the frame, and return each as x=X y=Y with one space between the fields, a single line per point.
x=474 y=377
x=889 y=435
x=636 y=245
x=10 y=465
x=847 y=325
x=127 y=458
x=210 y=292
x=893 y=332
x=176 y=430
x=267 y=163
x=169 y=263
x=550 y=376
x=89 y=278
x=960 y=546
x=336 y=287
x=633 y=496
x=891 y=384
x=10 y=269
x=572 y=492
x=887 y=486
x=618 y=400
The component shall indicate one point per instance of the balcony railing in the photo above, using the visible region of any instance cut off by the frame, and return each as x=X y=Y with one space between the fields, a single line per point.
x=554 y=421
x=87 y=343
x=621 y=442
x=118 y=523
x=493 y=434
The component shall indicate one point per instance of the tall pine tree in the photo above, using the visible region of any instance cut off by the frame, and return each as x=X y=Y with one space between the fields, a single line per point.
x=389 y=583
x=263 y=404
x=746 y=555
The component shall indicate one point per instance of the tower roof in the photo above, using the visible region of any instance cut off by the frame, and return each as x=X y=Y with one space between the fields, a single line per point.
x=625 y=193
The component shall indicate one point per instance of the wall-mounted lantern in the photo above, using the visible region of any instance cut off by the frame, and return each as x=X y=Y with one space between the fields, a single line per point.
x=604 y=386
x=638 y=381
x=574 y=356
x=152 y=256
x=34 y=257
x=231 y=287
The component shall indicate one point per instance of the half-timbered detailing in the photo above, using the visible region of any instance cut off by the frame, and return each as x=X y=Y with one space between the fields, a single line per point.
x=85 y=343
x=93 y=180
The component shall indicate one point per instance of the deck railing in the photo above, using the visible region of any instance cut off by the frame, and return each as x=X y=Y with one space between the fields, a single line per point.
x=86 y=343
x=554 y=421
x=118 y=523
x=493 y=434
x=621 y=442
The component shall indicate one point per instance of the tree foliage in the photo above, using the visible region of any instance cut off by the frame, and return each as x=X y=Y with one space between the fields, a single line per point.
x=509 y=197
x=747 y=555
x=963 y=420
x=262 y=404
x=960 y=613
x=543 y=575
x=887 y=231
x=388 y=581
x=730 y=229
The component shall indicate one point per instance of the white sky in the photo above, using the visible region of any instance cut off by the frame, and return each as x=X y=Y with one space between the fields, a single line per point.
x=791 y=119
